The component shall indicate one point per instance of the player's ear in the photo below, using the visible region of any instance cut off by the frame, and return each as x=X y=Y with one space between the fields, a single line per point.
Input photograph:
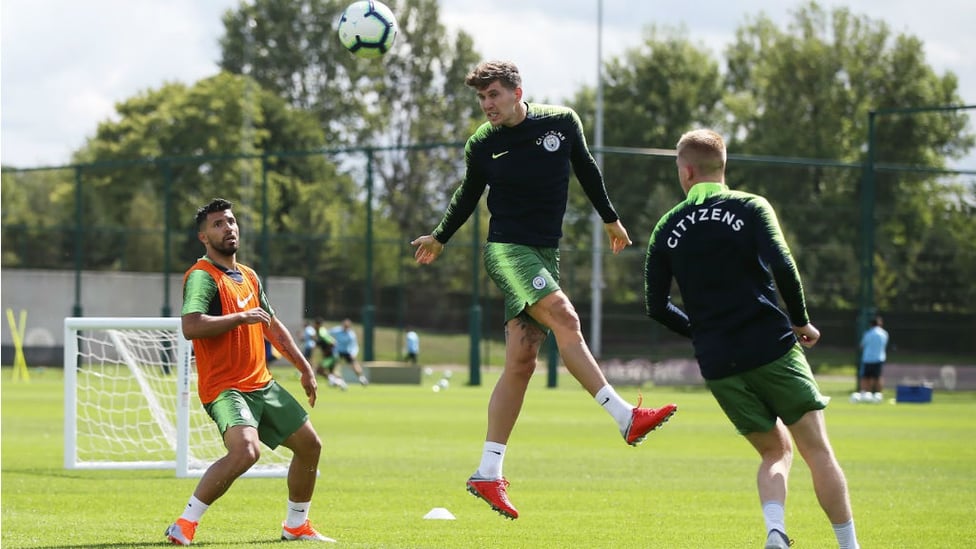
x=518 y=93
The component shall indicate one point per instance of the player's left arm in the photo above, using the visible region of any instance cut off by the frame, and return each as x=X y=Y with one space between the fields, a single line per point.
x=281 y=339
x=775 y=252
x=588 y=174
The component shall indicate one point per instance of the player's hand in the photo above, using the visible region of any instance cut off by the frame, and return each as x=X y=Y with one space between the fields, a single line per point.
x=428 y=249
x=254 y=316
x=311 y=386
x=618 y=236
x=807 y=335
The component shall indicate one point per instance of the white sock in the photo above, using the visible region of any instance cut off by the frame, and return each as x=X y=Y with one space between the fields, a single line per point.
x=194 y=510
x=846 y=536
x=775 y=516
x=618 y=408
x=491 y=461
x=297 y=513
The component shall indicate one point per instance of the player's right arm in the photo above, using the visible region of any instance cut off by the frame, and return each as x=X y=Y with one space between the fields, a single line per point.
x=657 y=287
x=463 y=203
x=201 y=313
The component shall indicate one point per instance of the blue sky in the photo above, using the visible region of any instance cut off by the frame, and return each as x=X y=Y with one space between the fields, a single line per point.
x=64 y=64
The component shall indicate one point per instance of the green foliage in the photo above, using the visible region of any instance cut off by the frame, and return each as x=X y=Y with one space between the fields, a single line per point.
x=288 y=90
x=653 y=93
x=806 y=91
x=392 y=453
x=414 y=94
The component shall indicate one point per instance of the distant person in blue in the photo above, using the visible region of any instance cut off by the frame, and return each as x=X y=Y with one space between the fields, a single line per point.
x=874 y=344
x=308 y=340
x=413 y=347
x=347 y=347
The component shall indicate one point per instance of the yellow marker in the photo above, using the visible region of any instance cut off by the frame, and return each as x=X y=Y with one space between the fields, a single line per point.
x=17 y=334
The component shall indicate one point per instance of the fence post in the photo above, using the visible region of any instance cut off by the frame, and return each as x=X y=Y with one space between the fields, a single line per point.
x=368 y=309
x=79 y=249
x=167 y=206
x=474 y=319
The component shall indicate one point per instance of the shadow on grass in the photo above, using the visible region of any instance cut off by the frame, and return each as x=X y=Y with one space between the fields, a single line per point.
x=120 y=545
x=85 y=474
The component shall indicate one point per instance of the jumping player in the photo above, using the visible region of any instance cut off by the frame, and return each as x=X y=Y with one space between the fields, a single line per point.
x=524 y=153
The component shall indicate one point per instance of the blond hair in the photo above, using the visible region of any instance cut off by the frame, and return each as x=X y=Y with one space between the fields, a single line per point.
x=704 y=150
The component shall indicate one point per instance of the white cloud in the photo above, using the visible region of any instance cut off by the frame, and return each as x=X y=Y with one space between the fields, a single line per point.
x=64 y=63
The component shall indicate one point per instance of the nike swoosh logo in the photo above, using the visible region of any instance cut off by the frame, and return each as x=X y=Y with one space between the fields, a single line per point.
x=604 y=403
x=498 y=155
x=496 y=453
x=242 y=302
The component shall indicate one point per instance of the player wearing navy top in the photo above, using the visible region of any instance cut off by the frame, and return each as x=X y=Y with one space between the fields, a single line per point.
x=727 y=253
x=523 y=154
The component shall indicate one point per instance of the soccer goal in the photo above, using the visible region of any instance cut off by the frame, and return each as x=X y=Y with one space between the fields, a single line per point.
x=130 y=400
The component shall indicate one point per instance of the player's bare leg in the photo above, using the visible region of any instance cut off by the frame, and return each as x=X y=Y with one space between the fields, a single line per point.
x=776 y=454
x=522 y=342
x=556 y=311
x=829 y=483
x=302 y=473
x=243 y=451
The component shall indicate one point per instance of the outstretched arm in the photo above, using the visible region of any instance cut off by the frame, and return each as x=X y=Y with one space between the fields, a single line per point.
x=428 y=249
x=618 y=236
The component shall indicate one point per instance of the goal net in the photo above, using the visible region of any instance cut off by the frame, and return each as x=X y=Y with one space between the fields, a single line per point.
x=130 y=400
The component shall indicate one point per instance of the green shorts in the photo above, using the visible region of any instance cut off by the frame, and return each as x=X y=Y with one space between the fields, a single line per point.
x=784 y=388
x=524 y=274
x=271 y=410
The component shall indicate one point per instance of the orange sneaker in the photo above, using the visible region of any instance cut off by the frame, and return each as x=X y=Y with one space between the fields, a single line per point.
x=493 y=492
x=181 y=532
x=303 y=532
x=645 y=420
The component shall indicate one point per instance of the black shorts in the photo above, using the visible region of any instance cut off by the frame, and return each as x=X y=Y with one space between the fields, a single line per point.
x=871 y=369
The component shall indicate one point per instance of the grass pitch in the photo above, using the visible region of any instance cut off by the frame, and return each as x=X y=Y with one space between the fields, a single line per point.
x=392 y=453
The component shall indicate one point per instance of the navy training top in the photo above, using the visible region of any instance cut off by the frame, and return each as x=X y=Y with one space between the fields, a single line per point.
x=725 y=249
x=527 y=169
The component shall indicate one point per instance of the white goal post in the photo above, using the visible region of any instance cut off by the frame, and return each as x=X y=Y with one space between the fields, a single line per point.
x=130 y=400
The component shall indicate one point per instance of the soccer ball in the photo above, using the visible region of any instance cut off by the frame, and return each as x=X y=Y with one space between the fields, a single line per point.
x=367 y=28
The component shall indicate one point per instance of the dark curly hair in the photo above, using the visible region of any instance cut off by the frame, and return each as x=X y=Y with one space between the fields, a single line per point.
x=215 y=205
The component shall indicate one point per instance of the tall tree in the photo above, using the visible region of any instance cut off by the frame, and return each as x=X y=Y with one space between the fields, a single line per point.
x=195 y=143
x=652 y=94
x=806 y=91
x=413 y=95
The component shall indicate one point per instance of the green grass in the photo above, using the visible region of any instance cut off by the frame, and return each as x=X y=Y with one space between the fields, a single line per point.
x=452 y=348
x=392 y=453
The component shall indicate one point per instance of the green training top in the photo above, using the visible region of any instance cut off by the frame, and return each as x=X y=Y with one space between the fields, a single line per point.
x=527 y=167
x=725 y=248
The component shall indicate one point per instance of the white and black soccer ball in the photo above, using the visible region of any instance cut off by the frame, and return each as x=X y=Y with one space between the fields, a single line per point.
x=368 y=28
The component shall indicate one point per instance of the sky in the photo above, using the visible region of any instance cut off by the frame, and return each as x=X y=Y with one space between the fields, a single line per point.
x=65 y=64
